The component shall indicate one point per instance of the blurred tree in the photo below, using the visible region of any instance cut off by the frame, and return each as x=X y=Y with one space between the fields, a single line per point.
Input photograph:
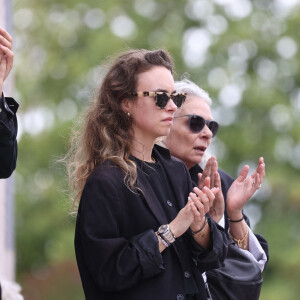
x=244 y=53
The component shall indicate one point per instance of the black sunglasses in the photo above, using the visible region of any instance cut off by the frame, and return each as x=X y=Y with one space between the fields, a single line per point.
x=162 y=98
x=197 y=123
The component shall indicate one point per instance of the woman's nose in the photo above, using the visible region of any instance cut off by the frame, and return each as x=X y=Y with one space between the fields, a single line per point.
x=171 y=105
x=206 y=132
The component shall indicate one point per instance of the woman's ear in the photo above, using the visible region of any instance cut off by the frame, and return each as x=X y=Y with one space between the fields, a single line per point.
x=126 y=105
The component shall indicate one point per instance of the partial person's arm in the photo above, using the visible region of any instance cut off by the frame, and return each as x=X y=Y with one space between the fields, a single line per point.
x=8 y=109
x=238 y=195
x=8 y=136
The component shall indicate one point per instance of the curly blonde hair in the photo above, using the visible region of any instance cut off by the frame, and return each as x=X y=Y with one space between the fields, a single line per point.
x=105 y=129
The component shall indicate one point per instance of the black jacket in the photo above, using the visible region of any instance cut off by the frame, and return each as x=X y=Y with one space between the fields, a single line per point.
x=116 y=247
x=8 y=136
x=226 y=182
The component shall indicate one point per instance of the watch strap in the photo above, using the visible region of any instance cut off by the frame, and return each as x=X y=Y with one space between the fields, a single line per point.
x=167 y=235
x=163 y=241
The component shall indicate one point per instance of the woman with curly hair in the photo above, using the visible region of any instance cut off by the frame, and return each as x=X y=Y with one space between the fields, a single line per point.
x=142 y=230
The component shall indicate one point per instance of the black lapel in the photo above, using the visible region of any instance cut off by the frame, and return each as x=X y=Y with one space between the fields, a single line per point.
x=150 y=197
x=172 y=168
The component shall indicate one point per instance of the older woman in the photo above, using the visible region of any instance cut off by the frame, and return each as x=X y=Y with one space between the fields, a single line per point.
x=137 y=234
x=189 y=138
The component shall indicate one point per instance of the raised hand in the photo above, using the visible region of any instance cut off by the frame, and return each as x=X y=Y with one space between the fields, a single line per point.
x=6 y=56
x=243 y=189
x=211 y=171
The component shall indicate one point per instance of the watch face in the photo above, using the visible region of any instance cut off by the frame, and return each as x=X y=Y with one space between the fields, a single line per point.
x=162 y=229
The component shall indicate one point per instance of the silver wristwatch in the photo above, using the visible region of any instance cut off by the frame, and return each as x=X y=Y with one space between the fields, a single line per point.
x=166 y=234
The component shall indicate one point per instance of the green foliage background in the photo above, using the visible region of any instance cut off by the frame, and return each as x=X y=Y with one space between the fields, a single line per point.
x=245 y=54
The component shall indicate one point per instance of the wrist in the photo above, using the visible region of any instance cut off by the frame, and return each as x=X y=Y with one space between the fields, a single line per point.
x=242 y=242
x=216 y=215
x=234 y=215
x=166 y=234
x=236 y=220
x=174 y=230
x=160 y=239
x=199 y=229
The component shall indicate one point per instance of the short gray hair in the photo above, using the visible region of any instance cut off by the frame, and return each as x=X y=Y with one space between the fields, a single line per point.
x=189 y=87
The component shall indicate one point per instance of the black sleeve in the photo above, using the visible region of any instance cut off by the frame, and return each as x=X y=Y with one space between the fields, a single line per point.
x=215 y=255
x=8 y=136
x=113 y=261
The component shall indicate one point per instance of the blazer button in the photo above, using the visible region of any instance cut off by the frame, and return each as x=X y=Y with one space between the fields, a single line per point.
x=169 y=203
x=187 y=274
x=180 y=297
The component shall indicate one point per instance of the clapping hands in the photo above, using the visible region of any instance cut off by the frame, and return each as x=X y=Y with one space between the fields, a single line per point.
x=239 y=193
x=193 y=214
x=6 y=56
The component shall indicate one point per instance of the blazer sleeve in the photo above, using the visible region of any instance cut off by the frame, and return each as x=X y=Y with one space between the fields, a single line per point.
x=8 y=136
x=213 y=257
x=113 y=261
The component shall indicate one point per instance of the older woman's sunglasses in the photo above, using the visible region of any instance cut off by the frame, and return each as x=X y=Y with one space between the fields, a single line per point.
x=197 y=123
x=162 y=98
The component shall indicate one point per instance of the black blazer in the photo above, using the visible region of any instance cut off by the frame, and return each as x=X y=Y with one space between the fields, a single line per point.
x=116 y=247
x=226 y=182
x=8 y=136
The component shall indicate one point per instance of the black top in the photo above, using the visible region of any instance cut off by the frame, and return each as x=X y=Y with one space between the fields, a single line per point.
x=160 y=184
x=116 y=247
x=8 y=136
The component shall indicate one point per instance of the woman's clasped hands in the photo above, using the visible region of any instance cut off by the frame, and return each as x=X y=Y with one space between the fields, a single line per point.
x=193 y=214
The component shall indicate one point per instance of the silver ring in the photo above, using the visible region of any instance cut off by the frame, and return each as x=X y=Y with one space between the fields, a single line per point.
x=259 y=186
